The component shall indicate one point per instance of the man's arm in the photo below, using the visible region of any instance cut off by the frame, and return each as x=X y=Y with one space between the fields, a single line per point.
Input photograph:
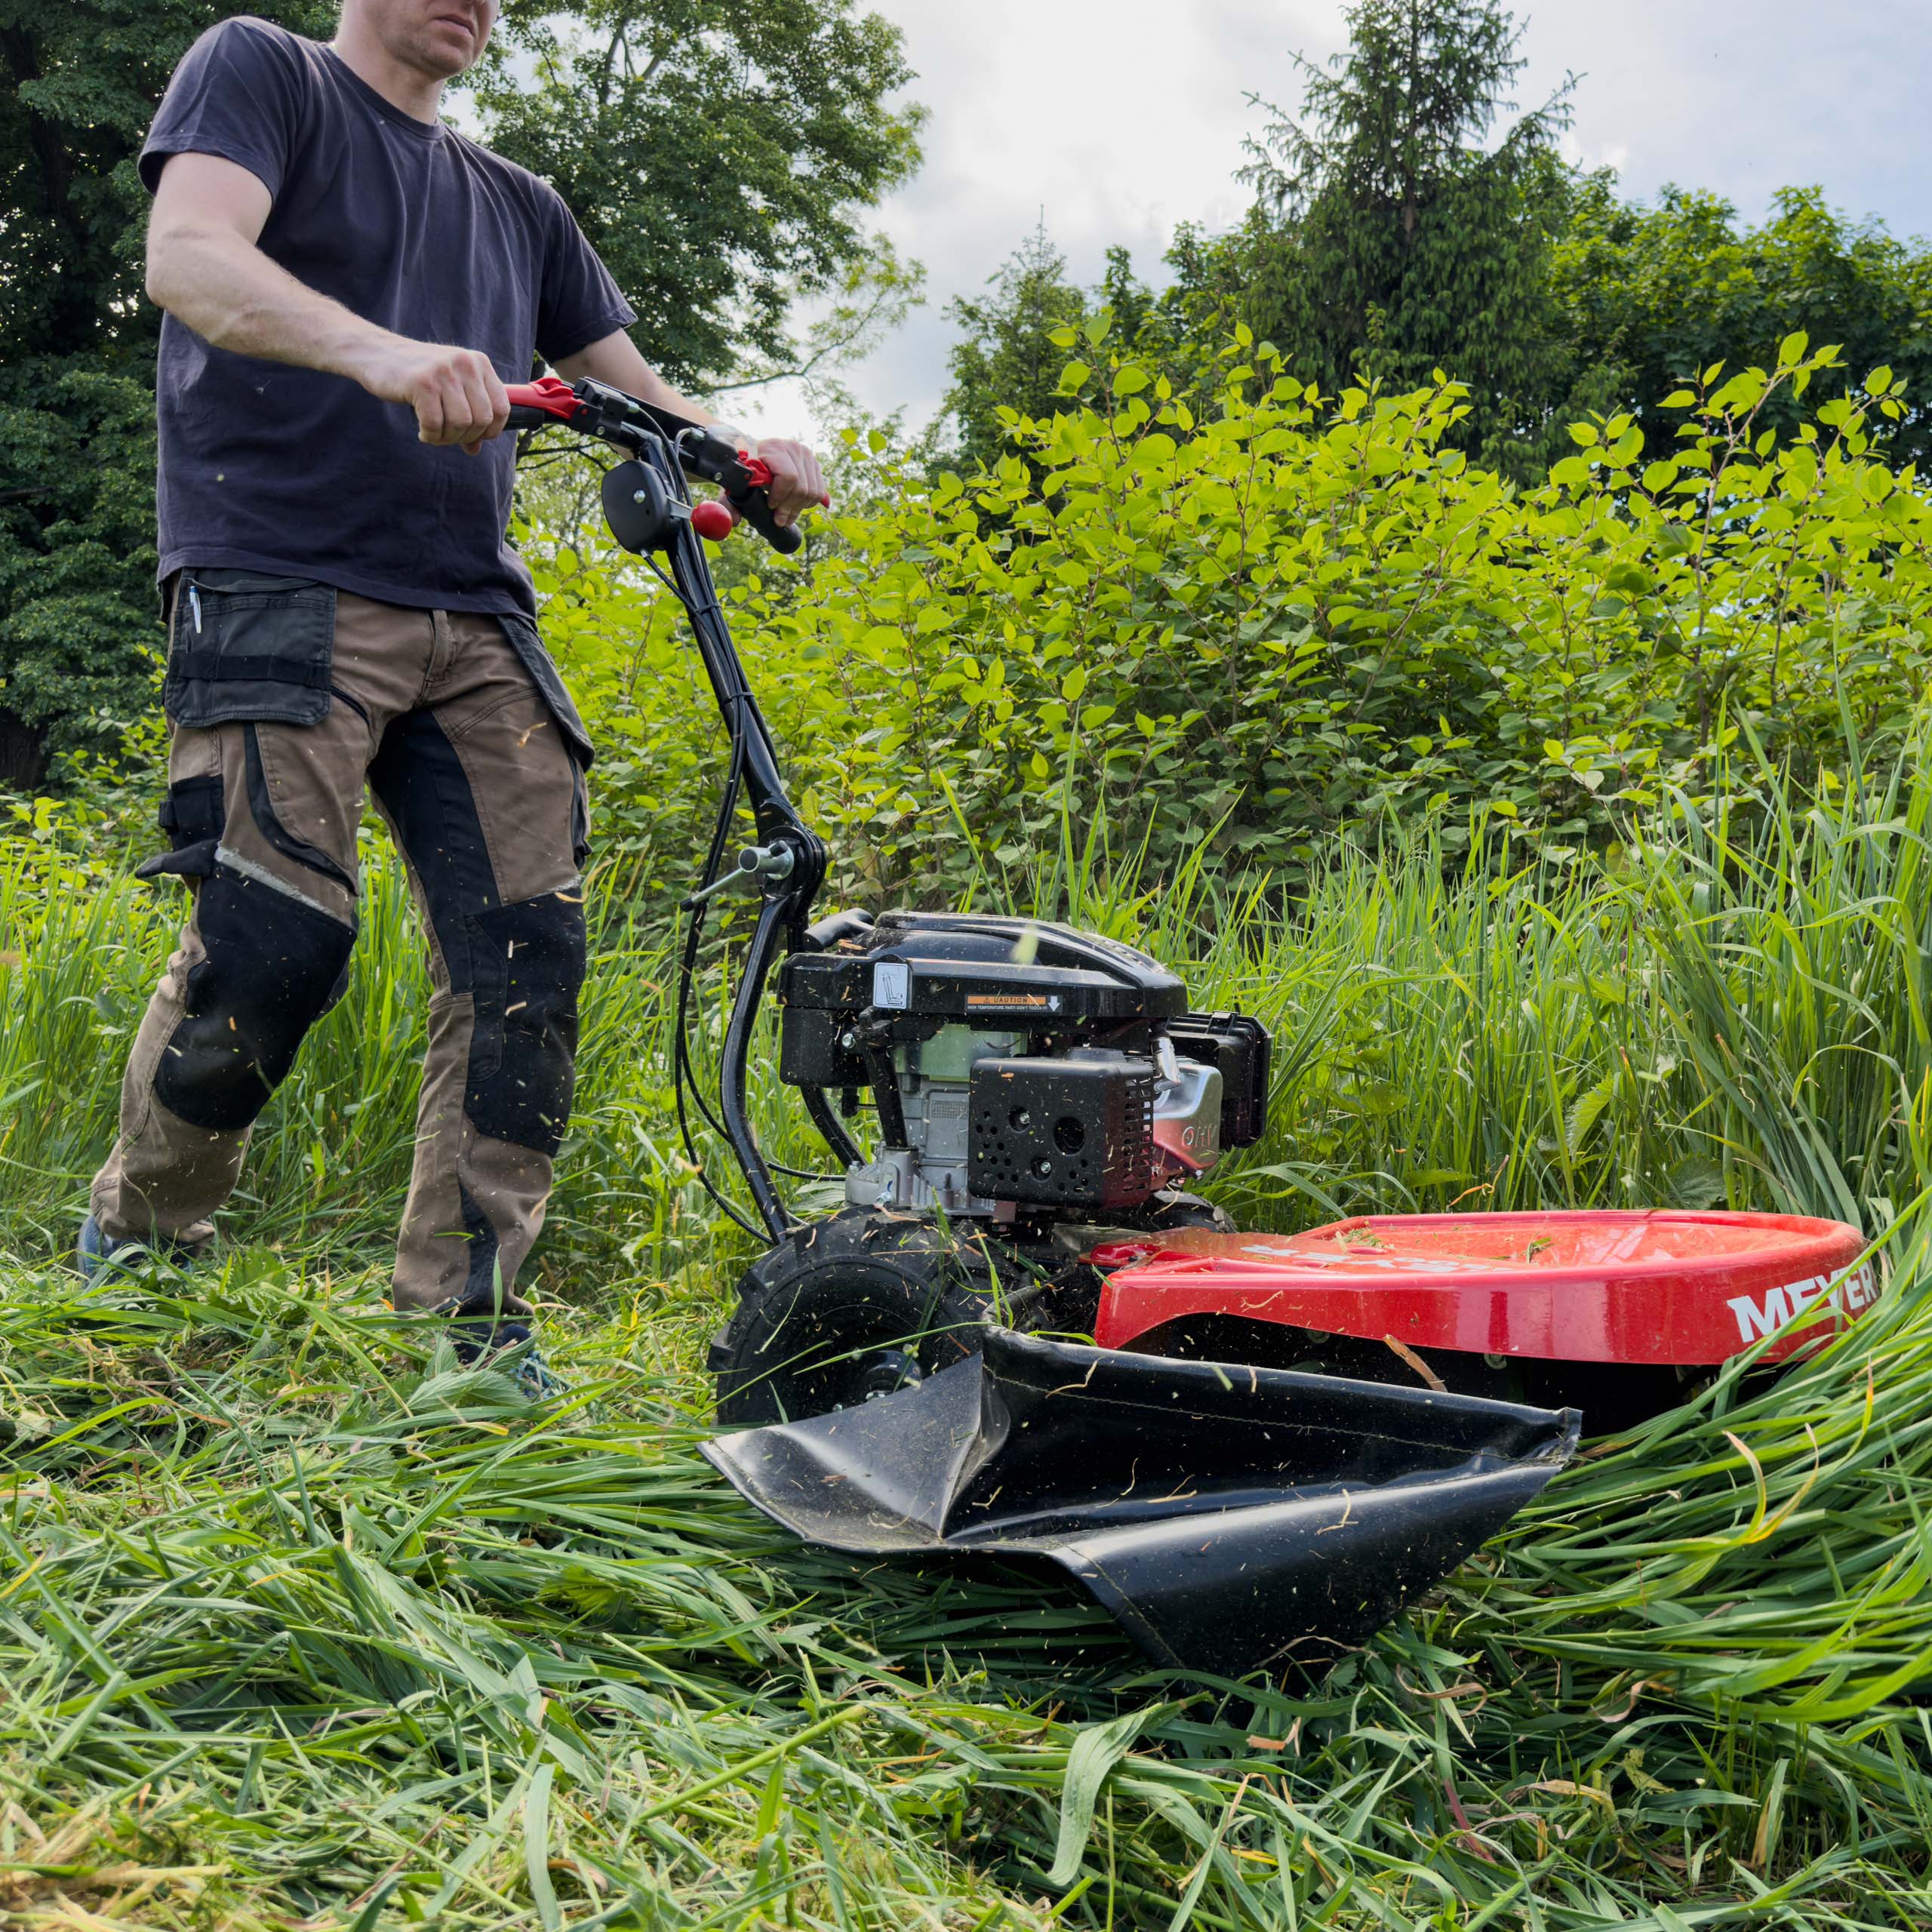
x=205 y=269
x=796 y=484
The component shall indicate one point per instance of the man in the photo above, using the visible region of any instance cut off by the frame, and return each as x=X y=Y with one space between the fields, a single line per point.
x=349 y=283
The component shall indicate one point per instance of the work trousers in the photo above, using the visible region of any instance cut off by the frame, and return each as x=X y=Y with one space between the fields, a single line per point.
x=288 y=698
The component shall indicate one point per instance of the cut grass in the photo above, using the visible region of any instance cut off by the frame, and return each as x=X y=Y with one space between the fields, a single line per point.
x=297 y=1623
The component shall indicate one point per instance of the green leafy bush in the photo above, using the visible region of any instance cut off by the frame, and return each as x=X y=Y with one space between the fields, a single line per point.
x=1284 y=615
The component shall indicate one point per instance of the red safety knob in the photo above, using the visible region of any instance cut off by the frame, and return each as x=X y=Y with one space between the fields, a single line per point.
x=711 y=520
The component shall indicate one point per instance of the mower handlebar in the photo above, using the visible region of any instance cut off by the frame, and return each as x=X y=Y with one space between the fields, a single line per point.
x=596 y=409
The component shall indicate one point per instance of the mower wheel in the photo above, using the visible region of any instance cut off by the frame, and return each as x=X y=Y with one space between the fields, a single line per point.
x=846 y=1309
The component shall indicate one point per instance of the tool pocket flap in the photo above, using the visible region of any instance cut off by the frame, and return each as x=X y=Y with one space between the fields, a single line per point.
x=192 y=817
x=245 y=645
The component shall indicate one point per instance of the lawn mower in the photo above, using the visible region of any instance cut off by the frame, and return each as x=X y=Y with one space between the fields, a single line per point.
x=1024 y=1335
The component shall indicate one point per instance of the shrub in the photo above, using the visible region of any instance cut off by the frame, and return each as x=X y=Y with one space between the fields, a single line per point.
x=1285 y=615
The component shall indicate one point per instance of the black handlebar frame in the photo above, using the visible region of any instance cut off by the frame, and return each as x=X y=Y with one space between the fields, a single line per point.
x=672 y=447
x=617 y=417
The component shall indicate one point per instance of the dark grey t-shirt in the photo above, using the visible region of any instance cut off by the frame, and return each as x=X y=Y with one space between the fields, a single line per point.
x=411 y=226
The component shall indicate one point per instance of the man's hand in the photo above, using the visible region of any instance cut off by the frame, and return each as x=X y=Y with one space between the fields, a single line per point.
x=796 y=485
x=457 y=395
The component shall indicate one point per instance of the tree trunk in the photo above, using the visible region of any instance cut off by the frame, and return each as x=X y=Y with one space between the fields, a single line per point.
x=22 y=755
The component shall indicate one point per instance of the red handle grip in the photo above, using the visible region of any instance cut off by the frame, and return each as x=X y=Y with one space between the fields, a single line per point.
x=548 y=396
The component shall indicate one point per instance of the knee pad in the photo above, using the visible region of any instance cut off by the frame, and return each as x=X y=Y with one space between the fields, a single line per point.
x=527 y=961
x=275 y=964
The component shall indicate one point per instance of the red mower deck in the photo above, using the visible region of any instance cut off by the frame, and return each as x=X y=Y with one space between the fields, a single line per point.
x=1662 y=1288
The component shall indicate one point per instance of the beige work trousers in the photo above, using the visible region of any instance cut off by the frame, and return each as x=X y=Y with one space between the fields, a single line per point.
x=437 y=716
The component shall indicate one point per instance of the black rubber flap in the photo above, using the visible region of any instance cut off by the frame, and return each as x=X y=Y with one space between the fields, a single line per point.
x=1232 y=1518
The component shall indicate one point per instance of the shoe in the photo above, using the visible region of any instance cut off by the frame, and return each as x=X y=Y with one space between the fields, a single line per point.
x=93 y=1252
x=510 y=1348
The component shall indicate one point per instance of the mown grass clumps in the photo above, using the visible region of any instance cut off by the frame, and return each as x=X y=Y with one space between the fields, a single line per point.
x=300 y=1621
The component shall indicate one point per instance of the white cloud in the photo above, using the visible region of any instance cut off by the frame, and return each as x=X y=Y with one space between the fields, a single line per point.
x=1114 y=120
x=1747 y=96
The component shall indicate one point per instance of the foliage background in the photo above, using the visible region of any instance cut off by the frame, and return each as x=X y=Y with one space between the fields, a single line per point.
x=1254 y=616
x=1411 y=218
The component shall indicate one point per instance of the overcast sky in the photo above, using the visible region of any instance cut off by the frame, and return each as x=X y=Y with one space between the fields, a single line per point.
x=1119 y=118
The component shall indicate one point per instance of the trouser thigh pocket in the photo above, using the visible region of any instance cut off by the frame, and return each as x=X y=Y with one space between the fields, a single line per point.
x=541 y=670
x=245 y=645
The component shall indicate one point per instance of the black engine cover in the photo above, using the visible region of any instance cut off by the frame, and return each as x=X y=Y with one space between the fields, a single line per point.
x=992 y=971
x=1062 y=1133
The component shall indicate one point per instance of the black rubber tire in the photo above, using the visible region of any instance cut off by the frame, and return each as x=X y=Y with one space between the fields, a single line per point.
x=845 y=1309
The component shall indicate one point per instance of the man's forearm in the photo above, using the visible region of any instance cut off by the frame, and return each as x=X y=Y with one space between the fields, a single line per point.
x=204 y=269
x=233 y=296
x=657 y=390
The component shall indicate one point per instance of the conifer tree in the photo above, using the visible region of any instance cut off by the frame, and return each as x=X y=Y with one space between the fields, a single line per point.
x=1391 y=236
x=1004 y=358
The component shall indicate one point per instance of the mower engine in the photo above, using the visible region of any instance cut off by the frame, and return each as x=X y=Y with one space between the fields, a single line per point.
x=1019 y=1071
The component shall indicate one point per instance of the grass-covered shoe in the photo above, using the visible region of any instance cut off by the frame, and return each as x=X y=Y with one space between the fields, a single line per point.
x=509 y=1347
x=94 y=1252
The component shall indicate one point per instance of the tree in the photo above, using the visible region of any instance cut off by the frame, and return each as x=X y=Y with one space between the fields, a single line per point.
x=1387 y=239
x=77 y=342
x=718 y=157
x=1652 y=296
x=1005 y=365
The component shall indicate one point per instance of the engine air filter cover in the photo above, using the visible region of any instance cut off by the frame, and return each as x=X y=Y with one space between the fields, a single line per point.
x=1236 y=1045
x=1077 y=1132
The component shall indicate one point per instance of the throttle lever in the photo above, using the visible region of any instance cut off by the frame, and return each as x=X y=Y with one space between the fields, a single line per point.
x=755 y=866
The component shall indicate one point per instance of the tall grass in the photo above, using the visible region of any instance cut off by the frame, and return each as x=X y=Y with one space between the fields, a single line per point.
x=297 y=1623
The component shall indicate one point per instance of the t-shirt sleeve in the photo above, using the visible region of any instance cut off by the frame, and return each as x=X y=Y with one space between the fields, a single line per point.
x=237 y=93
x=580 y=303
